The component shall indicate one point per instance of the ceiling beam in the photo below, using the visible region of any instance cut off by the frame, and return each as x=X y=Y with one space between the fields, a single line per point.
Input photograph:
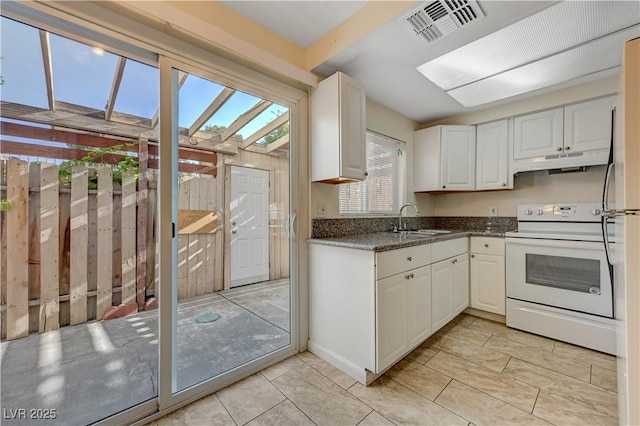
x=48 y=68
x=278 y=143
x=269 y=127
x=115 y=87
x=366 y=20
x=244 y=118
x=213 y=107
x=182 y=77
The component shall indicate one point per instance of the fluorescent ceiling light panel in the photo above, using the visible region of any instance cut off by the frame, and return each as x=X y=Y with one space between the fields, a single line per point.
x=569 y=40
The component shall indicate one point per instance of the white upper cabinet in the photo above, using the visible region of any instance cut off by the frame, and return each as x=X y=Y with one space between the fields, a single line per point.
x=493 y=156
x=574 y=129
x=444 y=158
x=338 y=126
x=587 y=125
x=538 y=135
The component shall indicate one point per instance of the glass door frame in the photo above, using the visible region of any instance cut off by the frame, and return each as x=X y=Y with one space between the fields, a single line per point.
x=93 y=25
x=168 y=396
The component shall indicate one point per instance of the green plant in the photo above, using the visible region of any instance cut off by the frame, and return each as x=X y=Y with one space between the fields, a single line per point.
x=127 y=163
x=5 y=205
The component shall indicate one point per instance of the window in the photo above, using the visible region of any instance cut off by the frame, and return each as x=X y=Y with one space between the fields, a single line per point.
x=383 y=191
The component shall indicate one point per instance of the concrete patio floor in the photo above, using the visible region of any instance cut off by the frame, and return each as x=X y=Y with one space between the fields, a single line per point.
x=90 y=371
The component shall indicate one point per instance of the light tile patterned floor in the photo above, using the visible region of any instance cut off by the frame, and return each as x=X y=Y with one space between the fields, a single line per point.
x=473 y=371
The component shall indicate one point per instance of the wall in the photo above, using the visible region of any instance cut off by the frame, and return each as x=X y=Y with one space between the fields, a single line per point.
x=387 y=122
x=530 y=187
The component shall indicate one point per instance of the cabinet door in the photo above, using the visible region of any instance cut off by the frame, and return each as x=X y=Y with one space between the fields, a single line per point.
x=352 y=129
x=419 y=304
x=587 y=125
x=458 y=158
x=441 y=294
x=492 y=156
x=461 y=283
x=391 y=320
x=488 y=283
x=537 y=135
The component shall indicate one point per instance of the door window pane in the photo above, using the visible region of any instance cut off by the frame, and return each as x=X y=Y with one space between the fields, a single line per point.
x=79 y=276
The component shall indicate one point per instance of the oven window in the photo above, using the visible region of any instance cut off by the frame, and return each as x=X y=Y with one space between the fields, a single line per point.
x=568 y=273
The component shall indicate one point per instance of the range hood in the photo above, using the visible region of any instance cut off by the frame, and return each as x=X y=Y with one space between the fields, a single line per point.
x=562 y=162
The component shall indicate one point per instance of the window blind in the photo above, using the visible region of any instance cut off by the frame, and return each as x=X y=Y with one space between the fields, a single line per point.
x=383 y=191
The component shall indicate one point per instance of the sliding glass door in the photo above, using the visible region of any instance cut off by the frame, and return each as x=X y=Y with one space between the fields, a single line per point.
x=230 y=305
x=79 y=270
x=147 y=226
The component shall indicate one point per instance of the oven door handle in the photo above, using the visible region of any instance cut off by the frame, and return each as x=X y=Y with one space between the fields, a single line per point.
x=588 y=245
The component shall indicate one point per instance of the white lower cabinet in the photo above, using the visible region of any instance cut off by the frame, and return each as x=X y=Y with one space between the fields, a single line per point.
x=367 y=310
x=402 y=314
x=450 y=289
x=488 y=275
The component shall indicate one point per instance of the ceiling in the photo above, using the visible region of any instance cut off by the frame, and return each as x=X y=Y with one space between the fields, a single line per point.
x=385 y=60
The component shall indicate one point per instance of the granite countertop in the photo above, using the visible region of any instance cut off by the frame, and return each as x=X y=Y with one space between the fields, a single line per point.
x=383 y=241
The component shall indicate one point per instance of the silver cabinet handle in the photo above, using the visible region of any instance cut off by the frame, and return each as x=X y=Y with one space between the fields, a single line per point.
x=504 y=185
x=233 y=231
x=567 y=148
x=486 y=245
x=454 y=261
x=559 y=149
x=473 y=256
x=409 y=258
x=408 y=276
x=233 y=223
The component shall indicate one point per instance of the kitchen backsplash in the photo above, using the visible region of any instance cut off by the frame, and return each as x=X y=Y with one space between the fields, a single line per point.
x=329 y=228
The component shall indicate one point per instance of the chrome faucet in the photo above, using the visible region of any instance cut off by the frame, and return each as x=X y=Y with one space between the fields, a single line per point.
x=400 y=214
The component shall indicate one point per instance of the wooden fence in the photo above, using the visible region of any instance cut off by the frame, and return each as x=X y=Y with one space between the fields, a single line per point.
x=68 y=254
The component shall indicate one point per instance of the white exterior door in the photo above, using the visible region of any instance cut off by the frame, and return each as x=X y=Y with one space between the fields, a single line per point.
x=249 y=224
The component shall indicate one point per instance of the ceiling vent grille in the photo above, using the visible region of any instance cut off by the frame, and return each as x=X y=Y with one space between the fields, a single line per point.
x=436 y=19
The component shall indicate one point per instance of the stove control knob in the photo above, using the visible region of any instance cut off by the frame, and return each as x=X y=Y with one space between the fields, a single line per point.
x=596 y=212
x=539 y=212
x=528 y=212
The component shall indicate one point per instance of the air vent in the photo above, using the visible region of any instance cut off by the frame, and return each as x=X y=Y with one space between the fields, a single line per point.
x=436 y=19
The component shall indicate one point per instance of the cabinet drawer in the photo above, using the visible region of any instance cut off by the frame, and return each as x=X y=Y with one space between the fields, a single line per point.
x=395 y=261
x=449 y=248
x=487 y=245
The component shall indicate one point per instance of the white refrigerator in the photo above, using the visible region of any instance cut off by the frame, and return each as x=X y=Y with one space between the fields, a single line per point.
x=625 y=248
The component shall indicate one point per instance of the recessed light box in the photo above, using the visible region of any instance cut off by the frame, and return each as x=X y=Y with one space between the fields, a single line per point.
x=570 y=40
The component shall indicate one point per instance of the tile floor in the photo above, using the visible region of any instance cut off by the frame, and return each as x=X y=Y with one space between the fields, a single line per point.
x=473 y=371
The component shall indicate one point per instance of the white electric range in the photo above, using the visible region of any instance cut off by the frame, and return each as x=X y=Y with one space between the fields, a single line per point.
x=559 y=282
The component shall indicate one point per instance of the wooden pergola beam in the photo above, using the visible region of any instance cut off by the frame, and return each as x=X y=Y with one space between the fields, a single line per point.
x=45 y=45
x=213 y=107
x=244 y=118
x=115 y=87
x=269 y=127
x=278 y=143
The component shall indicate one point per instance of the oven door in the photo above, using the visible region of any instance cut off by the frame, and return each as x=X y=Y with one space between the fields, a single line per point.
x=565 y=274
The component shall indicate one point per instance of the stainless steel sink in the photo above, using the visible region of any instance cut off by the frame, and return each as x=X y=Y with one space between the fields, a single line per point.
x=409 y=234
x=432 y=231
